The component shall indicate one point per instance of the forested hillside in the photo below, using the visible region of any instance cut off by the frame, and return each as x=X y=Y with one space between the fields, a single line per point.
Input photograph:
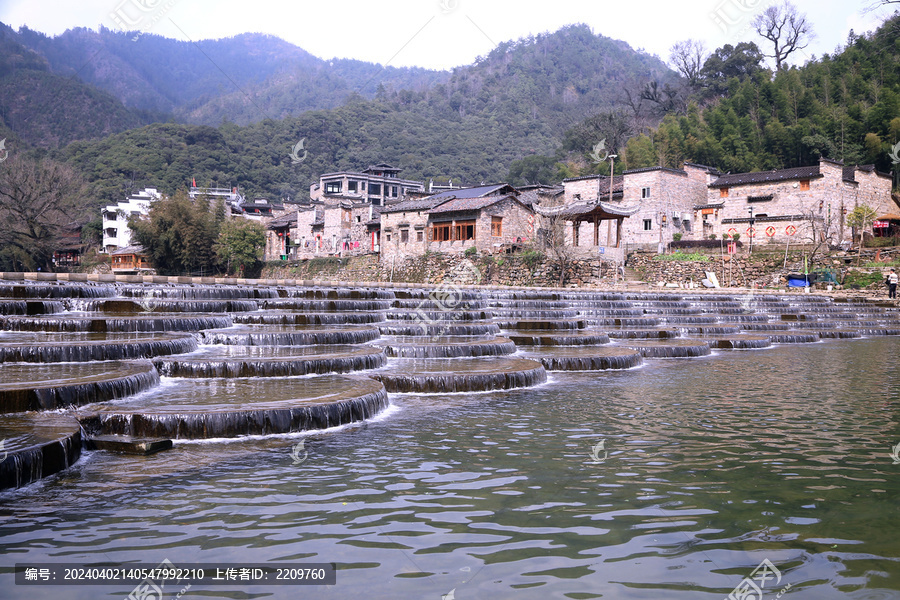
x=515 y=102
x=242 y=79
x=843 y=106
x=44 y=109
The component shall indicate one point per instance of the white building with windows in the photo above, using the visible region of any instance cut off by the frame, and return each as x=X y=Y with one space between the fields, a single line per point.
x=379 y=185
x=116 y=232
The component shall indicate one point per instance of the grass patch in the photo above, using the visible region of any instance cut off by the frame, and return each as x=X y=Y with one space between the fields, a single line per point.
x=882 y=265
x=684 y=256
x=862 y=279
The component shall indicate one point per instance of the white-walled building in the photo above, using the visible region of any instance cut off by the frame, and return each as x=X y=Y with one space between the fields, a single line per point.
x=116 y=232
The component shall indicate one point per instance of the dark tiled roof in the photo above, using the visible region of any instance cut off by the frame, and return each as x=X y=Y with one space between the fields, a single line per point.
x=467 y=204
x=430 y=202
x=135 y=249
x=476 y=192
x=414 y=205
x=283 y=221
x=617 y=184
x=766 y=176
x=708 y=169
x=678 y=172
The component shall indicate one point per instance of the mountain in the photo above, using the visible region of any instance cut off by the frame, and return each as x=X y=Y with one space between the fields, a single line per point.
x=243 y=79
x=470 y=125
x=45 y=109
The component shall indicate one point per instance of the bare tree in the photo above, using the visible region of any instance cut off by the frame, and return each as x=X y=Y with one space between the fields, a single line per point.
x=787 y=29
x=551 y=234
x=876 y=4
x=38 y=199
x=688 y=56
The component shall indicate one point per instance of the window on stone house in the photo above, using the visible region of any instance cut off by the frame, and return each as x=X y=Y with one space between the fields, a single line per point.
x=645 y=192
x=420 y=236
x=358 y=219
x=648 y=224
x=351 y=186
x=374 y=189
x=394 y=191
x=333 y=187
x=440 y=232
x=464 y=230
x=496 y=226
x=387 y=237
x=404 y=236
x=723 y=192
x=804 y=185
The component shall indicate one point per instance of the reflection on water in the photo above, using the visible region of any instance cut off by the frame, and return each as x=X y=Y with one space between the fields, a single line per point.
x=712 y=464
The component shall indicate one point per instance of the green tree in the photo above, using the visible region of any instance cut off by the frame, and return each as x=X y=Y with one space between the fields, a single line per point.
x=532 y=170
x=859 y=218
x=178 y=234
x=240 y=244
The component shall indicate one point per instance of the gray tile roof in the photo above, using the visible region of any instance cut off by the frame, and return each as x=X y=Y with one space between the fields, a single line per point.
x=466 y=204
x=283 y=221
x=430 y=202
x=729 y=180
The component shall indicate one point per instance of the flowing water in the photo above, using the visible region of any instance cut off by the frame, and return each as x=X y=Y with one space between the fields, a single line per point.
x=707 y=466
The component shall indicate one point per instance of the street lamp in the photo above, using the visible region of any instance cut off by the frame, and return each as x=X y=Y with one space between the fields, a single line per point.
x=612 y=160
x=751 y=232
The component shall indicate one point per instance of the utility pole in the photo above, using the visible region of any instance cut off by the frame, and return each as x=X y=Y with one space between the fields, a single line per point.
x=752 y=231
x=609 y=226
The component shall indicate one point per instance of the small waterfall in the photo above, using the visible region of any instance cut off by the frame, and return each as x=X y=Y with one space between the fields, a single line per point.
x=591 y=359
x=740 y=342
x=289 y=318
x=236 y=423
x=342 y=305
x=53 y=443
x=94 y=382
x=441 y=376
x=444 y=348
x=271 y=367
x=134 y=324
x=524 y=338
x=31 y=307
x=43 y=352
x=543 y=325
x=289 y=338
x=793 y=338
x=644 y=334
x=445 y=315
x=32 y=290
x=670 y=348
x=424 y=328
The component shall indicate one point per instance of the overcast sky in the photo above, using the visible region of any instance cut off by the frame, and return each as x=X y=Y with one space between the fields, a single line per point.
x=437 y=34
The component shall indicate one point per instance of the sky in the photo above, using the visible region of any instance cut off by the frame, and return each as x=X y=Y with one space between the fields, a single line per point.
x=439 y=34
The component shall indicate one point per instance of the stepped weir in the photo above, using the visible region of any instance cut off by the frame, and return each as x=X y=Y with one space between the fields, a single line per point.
x=121 y=363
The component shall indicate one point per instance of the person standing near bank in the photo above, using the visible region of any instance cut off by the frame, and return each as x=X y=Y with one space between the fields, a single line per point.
x=892 y=283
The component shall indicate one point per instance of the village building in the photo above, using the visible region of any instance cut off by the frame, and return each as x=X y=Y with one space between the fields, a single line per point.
x=490 y=219
x=378 y=184
x=342 y=229
x=116 y=232
x=130 y=260
x=643 y=209
x=799 y=205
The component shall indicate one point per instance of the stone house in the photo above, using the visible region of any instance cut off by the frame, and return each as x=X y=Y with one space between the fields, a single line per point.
x=651 y=205
x=800 y=205
x=642 y=208
x=378 y=184
x=489 y=218
x=340 y=229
